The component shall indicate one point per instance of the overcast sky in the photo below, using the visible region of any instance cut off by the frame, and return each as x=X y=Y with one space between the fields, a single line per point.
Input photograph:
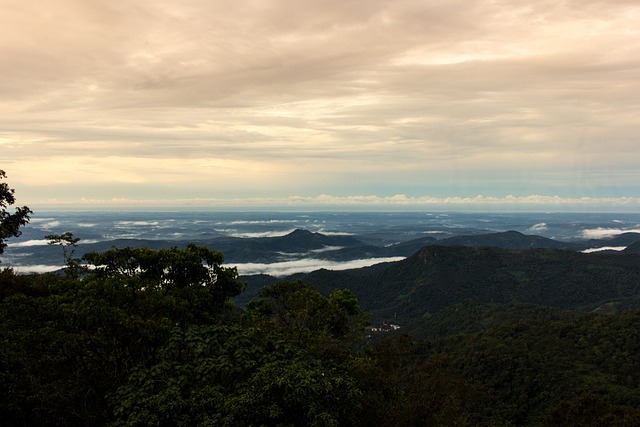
x=355 y=104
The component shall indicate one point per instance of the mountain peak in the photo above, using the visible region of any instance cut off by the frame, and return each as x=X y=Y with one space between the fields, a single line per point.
x=299 y=232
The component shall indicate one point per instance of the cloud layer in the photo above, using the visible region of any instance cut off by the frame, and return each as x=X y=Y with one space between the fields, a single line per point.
x=286 y=268
x=265 y=100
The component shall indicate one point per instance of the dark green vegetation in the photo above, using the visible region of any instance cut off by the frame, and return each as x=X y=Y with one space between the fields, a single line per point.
x=436 y=277
x=491 y=337
x=10 y=223
x=150 y=337
x=134 y=345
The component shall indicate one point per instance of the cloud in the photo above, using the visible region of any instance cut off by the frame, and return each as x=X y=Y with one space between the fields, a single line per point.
x=270 y=221
x=36 y=268
x=43 y=242
x=127 y=224
x=325 y=201
x=27 y=243
x=334 y=233
x=605 y=233
x=604 y=248
x=281 y=269
x=326 y=249
x=276 y=98
x=539 y=227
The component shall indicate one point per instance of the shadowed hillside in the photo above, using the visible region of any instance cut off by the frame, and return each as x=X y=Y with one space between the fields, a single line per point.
x=436 y=277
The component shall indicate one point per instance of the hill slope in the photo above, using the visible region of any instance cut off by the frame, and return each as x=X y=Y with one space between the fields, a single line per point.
x=436 y=277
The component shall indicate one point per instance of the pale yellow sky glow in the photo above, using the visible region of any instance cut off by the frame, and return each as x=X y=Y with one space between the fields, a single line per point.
x=285 y=103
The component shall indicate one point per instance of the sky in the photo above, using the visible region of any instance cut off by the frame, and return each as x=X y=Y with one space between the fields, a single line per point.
x=290 y=104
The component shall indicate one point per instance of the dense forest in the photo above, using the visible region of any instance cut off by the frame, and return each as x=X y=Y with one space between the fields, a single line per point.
x=171 y=337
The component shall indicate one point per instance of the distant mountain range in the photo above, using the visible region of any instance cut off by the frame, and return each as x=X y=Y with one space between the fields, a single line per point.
x=304 y=244
x=516 y=269
x=502 y=268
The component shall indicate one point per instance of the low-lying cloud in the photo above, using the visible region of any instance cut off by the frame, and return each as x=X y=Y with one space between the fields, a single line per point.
x=539 y=227
x=28 y=243
x=260 y=234
x=36 y=268
x=285 y=268
x=605 y=233
x=604 y=248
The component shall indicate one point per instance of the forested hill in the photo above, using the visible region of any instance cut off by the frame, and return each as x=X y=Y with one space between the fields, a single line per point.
x=301 y=244
x=149 y=337
x=436 y=277
x=633 y=248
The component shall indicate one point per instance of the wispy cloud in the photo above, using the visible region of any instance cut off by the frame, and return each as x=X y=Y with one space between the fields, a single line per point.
x=604 y=233
x=533 y=202
x=539 y=227
x=604 y=248
x=28 y=243
x=280 y=269
x=278 y=233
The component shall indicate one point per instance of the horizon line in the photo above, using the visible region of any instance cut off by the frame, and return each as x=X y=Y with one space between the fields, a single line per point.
x=358 y=203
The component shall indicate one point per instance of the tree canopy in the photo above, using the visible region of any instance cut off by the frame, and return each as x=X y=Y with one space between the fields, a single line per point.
x=10 y=222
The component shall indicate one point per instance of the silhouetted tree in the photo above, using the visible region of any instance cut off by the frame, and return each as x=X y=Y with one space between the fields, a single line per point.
x=10 y=223
x=66 y=241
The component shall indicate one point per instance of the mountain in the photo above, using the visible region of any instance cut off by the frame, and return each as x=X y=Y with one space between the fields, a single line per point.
x=506 y=240
x=624 y=239
x=304 y=240
x=271 y=249
x=300 y=244
x=470 y=317
x=437 y=277
x=633 y=248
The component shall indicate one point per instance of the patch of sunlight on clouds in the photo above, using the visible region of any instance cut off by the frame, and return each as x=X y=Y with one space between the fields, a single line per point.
x=28 y=243
x=421 y=57
x=114 y=170
x=262 y=234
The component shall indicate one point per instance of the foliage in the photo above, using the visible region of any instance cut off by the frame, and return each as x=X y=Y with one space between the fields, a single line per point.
x=302 y=315
x=190 y=282
x=407 y=384
x=63 y=353
x=66 y=241
x=528 y=365
x=437 y=277
x=230 y=375
x=10 y=223
x=590 y=410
